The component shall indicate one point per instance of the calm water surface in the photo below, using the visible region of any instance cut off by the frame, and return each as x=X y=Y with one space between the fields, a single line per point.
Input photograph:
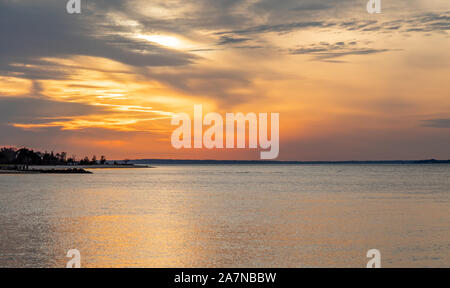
x=229 y=216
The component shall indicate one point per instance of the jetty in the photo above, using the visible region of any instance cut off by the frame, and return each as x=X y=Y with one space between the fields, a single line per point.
x=25 y=169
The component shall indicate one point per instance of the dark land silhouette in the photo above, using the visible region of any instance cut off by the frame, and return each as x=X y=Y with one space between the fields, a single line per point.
x=14 y=161
x=27 y=161
x=21 y=158
x=25 y=156
x=271 y=162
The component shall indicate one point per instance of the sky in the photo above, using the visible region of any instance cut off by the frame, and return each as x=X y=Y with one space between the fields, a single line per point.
x=348 y=85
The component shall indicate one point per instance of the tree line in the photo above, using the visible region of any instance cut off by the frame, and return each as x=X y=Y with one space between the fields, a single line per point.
x=25 y=156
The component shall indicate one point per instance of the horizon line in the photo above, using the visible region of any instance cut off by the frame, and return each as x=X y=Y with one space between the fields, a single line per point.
x=189 y=161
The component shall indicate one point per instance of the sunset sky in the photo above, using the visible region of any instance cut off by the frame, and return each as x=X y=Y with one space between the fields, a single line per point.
x=348 y=85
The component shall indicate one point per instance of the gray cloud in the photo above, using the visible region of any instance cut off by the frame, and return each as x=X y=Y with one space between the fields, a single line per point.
x=282 y=28
x=36 y=110
x=32 y=30
x=41 y=28
x=437 y=123
x=304 y=9
x=325 y=51
x=425 y=22
x=430 y=22
x=224 y=40
x=216 y=83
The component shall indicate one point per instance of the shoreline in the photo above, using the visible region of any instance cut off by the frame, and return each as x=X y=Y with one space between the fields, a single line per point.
x=276 y=162
x=46 y=171
x=99 y=166
x=64 y=169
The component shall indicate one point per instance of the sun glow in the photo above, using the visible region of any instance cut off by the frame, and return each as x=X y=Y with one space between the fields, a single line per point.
x=167 y=41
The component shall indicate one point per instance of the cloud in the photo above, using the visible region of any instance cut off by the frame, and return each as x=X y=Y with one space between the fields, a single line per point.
x=33 y=30
x=437 y=123
x=286 y=27
x=294 y=9
x=224 y=40
x=37 y=110
x=31 y=113
x=424 y=22
x=219 y=84
x=324 y=51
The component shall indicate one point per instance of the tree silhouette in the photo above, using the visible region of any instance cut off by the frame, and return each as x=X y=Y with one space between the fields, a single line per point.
x=25 y=156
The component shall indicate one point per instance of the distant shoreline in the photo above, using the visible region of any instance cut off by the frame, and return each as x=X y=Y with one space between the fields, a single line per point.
x=261 y=162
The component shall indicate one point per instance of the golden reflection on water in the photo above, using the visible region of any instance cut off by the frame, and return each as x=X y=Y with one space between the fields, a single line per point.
x=228 y=216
